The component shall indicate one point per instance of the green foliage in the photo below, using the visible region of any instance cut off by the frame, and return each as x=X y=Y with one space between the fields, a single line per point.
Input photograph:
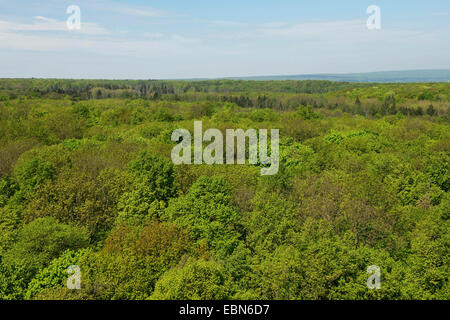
x=195 y=280
x=80 y=199
x=41 y=241
x=55 y=274
x=9 y=222
x=297 y=159
x=438 y=170
x=8 y=187
x=132 y=260
x=307 y=113
x=13 y=282
x=153 y=187
x=208 y=211
x=155 y=171
x=33 y=173
x=429 y=261
x=86 y=179
x=271 y=223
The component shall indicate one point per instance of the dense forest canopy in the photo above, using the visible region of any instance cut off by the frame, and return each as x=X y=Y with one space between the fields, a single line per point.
x=86 y=179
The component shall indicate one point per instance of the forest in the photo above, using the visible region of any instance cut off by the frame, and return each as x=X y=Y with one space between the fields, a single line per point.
x=86 y=180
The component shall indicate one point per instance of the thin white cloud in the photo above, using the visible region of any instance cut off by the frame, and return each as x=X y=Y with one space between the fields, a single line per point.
x=321 y=29
x=153 y=35
x=325 y=33
x=228 y=24
x=140 y=12
x=44 y=19
x=154 y=47
x=183 y=39
x=121 y=8
x=47 y=24
x=275 y=24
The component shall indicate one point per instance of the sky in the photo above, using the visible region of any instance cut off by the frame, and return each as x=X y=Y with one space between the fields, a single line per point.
x=171 y=39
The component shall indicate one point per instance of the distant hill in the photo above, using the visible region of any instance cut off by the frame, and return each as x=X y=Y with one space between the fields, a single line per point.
x=383 y=76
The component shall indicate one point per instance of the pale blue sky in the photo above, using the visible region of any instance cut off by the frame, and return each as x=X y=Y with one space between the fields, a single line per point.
x=140 y=39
